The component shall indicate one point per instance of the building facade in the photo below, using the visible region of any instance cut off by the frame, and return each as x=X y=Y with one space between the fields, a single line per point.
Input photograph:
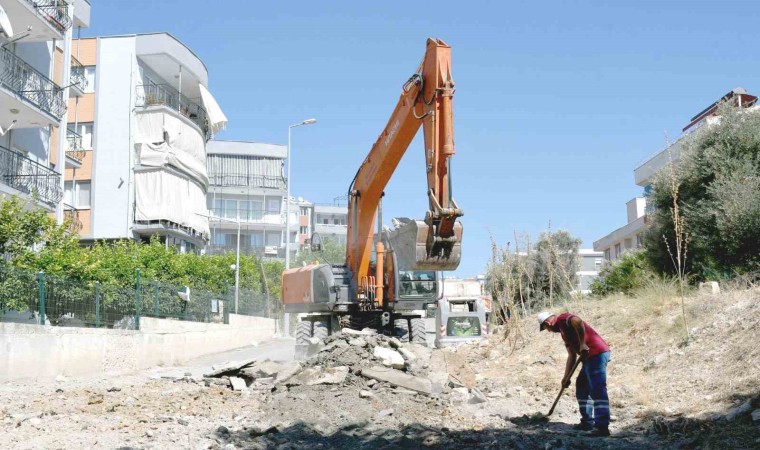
x=630 y=236
x=142 y=124
x=589 y=266
x=330 y=221
x=38 y=74
x=248 y=189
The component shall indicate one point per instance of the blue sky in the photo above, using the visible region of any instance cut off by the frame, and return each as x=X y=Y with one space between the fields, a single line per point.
x=556 y=102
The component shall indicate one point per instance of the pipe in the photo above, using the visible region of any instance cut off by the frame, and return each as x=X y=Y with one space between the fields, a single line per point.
x=380 y=250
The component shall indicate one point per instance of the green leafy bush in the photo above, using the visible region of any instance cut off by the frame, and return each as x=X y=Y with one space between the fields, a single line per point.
x=629 y=273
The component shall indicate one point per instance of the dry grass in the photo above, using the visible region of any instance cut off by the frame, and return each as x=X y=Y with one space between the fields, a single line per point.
x=651 y=372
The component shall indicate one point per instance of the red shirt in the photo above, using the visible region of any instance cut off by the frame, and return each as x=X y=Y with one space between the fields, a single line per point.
x=596 y=345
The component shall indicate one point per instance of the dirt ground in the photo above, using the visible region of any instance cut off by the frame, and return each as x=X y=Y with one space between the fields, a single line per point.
x=664 y=393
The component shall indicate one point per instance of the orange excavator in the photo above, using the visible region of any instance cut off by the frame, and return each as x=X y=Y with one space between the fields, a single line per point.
x=387 y=286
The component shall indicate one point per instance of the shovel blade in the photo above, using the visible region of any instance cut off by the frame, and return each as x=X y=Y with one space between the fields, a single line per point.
x=417 y=249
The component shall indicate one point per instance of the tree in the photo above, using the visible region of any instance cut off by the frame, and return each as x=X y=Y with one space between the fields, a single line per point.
x=332 y=252
x=718 y=196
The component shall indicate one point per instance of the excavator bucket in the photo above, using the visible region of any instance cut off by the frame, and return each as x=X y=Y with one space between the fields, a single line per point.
x=417 y=248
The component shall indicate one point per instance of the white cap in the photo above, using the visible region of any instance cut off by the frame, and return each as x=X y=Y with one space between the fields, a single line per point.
x=542 y=316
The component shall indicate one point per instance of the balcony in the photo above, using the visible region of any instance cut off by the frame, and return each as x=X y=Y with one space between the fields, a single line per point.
x=253 y=181
x=45 y=20
x=274 y=217
x=30 y=177
x=75 y=153
x=26 y=95
x=71 y=215
x=78 y=79
x=164 y=95
x=270 y=251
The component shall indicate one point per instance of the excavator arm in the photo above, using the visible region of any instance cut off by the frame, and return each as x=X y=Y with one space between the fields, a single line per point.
x=435 y=244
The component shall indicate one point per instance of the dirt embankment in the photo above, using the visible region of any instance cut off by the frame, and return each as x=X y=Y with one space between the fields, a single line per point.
x=369 y=391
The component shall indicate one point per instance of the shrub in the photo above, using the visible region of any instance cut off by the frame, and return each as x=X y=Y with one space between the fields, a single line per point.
x=631 y=272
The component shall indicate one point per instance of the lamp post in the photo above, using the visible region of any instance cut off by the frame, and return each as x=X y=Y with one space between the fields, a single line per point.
x=287 y=214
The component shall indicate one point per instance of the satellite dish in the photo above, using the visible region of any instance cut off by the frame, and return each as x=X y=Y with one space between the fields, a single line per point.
x=5 y=24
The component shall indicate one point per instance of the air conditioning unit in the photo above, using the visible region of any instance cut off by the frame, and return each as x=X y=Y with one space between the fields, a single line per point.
x=270 y=250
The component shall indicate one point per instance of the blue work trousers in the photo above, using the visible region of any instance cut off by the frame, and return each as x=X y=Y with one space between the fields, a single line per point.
x=591 y=391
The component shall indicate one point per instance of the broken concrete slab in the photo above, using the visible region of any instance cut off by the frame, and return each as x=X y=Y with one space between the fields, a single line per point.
x=313 y=376
x=358 y=342
x=459 y=395
x=270 y=369
x=390 y=358
x=476 y=396
x=349 y=331
x=395 y=343
x=238 y=384
x=306 y=351
x=407 y=354
x=230 y=366
x=399 y=379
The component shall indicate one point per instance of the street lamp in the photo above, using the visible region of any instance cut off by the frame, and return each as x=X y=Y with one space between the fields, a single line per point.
x=287 y=215
x=236 y=266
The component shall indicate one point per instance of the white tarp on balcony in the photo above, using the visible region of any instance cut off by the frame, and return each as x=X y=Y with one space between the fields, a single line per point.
x=163 y=154
x=216 y=118
x=163 y=195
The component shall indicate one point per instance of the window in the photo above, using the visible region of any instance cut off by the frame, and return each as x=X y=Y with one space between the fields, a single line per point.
x=218 y=207
x=336 y=221
x=273 y=205
x=304 y=211
x=217 y=239
x=230 y=209
x=83 y=129
x=89 y=74
x=325 y=222
x=243 y=208
x=607 y=255
x=274 y=239
x=618 y=250
x=639 y=240
x=598 y=264
x=304 y=230
x=257 y=210
x=77 y=195
x=257 y=239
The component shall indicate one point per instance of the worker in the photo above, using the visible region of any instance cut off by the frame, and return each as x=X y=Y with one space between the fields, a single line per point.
x=591 y=385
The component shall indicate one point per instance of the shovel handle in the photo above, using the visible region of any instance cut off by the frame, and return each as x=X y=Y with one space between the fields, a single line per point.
x=563 y=388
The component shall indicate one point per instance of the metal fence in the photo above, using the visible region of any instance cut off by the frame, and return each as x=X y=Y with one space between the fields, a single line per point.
x=60 y=301
x=56 y=12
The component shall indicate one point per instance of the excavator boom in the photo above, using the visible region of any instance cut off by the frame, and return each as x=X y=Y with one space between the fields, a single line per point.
x=435 y=242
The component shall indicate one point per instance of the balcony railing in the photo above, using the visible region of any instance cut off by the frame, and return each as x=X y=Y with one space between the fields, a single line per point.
x=78 y=76
x=55 y=12
x=164 y=95
x=246 y=215
x=256 y=181
x=75 y=150
x=31 y=85
x=30 y=177
x=215 y=249
x=71 y=215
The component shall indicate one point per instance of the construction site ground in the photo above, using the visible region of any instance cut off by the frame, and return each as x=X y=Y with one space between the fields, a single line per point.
x=664 y=392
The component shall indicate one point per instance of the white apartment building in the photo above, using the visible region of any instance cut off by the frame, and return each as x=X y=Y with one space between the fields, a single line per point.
x=248 y=189
x=143 y=123
x=629 y=236
x=38 y=74
x=589 y=266
x=330 y=221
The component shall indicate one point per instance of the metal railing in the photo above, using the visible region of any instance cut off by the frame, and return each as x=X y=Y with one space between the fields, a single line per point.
x=30 y=84
x=55 y=12
x=75 y=150
x=71 y=214
x=260 y=251
x=30 y=177
x=164 y=95
x=78 y=75
x=257 y=181
x=245 y=215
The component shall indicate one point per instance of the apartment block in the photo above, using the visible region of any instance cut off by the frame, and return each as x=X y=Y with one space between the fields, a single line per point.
x=330 y=221
x=38 y=74
x=138 y=132
x=247 y=192
x=629 y=236
x=589 y=266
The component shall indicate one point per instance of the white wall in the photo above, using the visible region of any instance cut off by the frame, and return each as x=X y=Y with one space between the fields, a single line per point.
x=113 y=116
x=34 y=351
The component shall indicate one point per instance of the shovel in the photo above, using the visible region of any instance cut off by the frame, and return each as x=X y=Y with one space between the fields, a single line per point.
x=545 y=418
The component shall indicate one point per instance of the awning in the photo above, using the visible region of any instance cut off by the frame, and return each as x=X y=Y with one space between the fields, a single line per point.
x=216 y=118
x=5 y=24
